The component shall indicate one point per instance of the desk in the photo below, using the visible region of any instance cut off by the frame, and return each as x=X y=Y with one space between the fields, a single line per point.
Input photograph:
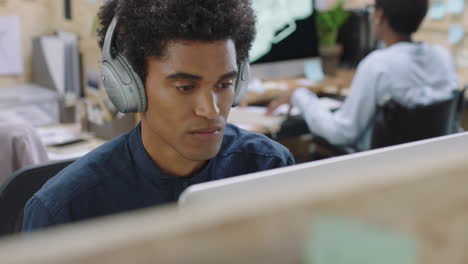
x=74 y=150
x=254 y=119
x=336 y=85
x=292 y=133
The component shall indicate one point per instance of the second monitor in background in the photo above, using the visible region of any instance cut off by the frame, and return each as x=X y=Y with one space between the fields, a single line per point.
x=357 y=37
x=286 y=38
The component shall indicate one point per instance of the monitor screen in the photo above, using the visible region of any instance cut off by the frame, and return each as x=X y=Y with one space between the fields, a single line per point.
x=357 y=37
x=285 y=30
x=286 y=38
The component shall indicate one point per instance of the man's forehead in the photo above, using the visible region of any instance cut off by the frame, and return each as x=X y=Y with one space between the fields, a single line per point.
x=205 y=59
x=198 y=47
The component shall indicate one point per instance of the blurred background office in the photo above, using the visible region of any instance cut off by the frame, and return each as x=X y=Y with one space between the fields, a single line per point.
x=49 y=68
x=53 y=110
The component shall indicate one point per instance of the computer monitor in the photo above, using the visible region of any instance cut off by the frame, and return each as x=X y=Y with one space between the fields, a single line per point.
x=406 y=203
x=286 y=38
x=357 y=37
x=416 y=159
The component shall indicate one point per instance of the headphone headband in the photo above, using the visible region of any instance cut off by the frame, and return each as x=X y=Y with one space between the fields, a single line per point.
x=107 y=47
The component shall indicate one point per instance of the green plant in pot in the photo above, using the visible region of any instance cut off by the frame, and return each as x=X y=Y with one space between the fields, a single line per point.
x=328 y=25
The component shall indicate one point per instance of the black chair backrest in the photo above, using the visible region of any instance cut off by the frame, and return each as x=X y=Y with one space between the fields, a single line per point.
x=395 y=124
x=18 y=188
x=460 y=108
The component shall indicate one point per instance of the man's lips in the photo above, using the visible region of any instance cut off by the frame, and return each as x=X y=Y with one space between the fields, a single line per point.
x=207 y=134
x=207 y=130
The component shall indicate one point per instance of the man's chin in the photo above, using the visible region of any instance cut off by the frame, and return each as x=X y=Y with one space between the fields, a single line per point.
x=202 y=154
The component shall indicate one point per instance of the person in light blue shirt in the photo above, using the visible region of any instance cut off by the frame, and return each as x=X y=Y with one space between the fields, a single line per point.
x=188 y=54
x=411 y=73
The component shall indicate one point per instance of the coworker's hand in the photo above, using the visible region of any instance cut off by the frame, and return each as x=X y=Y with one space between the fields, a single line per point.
x=284 y=99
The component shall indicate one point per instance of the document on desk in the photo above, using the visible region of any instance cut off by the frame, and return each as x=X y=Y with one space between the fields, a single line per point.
x=326 y=102
x=11 y=59
x=254 y=119
x=55 y=136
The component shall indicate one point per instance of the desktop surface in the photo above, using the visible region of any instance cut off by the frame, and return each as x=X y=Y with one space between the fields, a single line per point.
x=330 y=86
x=65 y=141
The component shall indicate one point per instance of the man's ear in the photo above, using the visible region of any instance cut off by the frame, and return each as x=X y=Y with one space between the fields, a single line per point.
x=378 y=17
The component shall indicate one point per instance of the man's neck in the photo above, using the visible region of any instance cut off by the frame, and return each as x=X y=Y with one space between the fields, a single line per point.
x=394 y=38
x=167 y=159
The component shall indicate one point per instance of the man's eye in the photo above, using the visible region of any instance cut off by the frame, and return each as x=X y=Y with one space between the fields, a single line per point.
x=226 y=85
x=185 y=88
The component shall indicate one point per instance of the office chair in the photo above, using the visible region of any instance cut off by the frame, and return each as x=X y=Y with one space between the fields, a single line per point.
x=395 y=124
x=18 y=188
x=460 y=109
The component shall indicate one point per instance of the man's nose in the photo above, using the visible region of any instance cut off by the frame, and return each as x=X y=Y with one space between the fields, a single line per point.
x=207 y=105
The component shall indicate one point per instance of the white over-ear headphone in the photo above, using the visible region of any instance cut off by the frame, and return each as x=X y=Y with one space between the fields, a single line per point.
x=125 y=87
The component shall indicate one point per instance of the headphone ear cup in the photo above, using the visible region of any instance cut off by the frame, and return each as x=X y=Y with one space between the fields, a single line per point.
x=136 y=88
x=242 y=82
x=123 y=86
x=113 y=87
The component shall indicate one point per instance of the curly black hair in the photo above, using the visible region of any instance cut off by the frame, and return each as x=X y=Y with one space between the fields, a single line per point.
x=404 y=16
x=146 y=26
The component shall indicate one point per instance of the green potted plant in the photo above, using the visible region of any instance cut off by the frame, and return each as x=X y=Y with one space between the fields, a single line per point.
x=328 y=25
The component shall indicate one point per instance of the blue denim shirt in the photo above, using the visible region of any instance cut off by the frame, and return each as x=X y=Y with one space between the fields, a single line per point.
x=120 y=176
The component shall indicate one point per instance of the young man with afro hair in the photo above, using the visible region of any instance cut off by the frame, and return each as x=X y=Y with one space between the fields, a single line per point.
x=188 y=55
x=411 y=73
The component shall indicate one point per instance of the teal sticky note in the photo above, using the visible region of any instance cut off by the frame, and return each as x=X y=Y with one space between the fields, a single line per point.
x=437 y=10
x=456 y=34
x=339 y=241
x=313 y=70
x=456 y=7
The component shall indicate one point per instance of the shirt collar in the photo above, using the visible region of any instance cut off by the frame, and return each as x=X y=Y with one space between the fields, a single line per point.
x=147 y=168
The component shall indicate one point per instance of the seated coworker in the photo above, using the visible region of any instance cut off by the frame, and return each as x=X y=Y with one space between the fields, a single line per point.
x=189 y=54
x=411 y=73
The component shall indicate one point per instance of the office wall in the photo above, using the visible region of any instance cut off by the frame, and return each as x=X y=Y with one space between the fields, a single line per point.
x=351 y=4
x=437 y=32
x=82 y=14
x=40 y=17
x=82 y=23
x=35 y=20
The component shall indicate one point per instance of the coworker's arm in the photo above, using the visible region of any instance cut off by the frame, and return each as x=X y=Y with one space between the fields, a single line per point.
x=344 y=126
